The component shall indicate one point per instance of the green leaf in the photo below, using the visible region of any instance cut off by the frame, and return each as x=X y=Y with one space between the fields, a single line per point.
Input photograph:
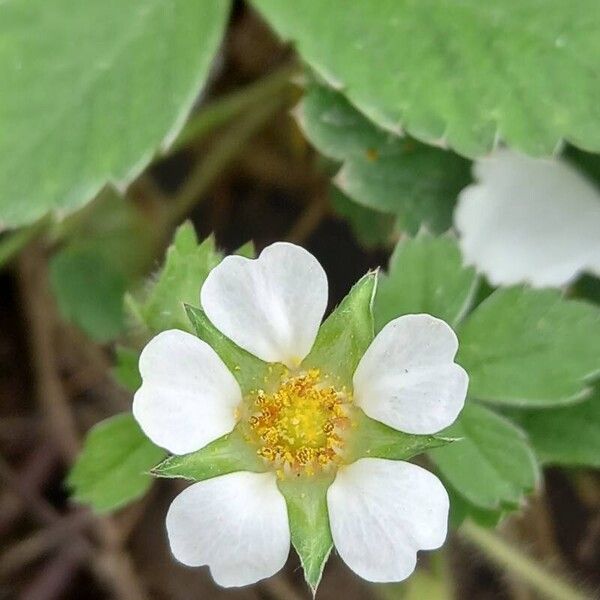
x=346 y=334
x=461 y=74
x=418 y=183
x=370 y=227
x=112 y=469
x=461 y=510
x=568 y=436
x=186 y=267
x=426 y=275
x=89 y=291
x=372 y=439
x=227 y=454
x=126 y=370
x=96 y=110
x=492 y=466
x=533 y=348
x=250 y=372
x=306 y=499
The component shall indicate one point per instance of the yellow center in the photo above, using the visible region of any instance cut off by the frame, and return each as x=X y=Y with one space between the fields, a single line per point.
x=300 y=426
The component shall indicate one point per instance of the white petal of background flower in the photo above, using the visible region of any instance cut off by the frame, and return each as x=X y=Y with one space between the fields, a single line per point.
x=271 y=306
x=188 y=397
x=237 y=524
x=407 y=378
x=529 y=221
x=381 y=512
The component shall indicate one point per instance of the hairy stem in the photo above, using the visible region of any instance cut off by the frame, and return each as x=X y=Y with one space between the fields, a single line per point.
x=519 y=564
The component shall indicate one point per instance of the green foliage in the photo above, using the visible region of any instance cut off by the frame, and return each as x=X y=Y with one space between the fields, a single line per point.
x=568 y=436
x=425 y=275
x=370 y=227
x=418 y=183
x=126 y=370
x=89 y=292
x=458 y=73
x=99 y=258
x=95 y=110
x=228 y=454
x=492 y=466
x=372 y=439
x=186 y=266
x=250 y=372
x=112 y=470
x=306 y=499
x=346 y=334
x=526 y=347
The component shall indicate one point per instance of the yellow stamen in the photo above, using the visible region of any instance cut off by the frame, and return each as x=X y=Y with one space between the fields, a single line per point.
x=299 y=426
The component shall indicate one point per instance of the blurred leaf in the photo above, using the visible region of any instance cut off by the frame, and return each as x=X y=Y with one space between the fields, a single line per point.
x=346 y=334
x=492 y=466
x=384 y=172
x=250 y=372
x=112 y=469
x=186 y=266
x=105 y=251
x=461 y=509
x=458 y=73
x=306 y=499
x=426 y=275
x=89 y=291
x=372 y=439
x=227 y=454
x=530 y=348
x=568 y=436
x=126 y=370
x=108 y=85
x=370 y=227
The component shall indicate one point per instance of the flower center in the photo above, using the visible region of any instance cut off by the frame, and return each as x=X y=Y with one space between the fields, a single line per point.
x=299 y=427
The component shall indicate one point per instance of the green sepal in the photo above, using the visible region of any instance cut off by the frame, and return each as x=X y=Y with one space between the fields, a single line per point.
x=346 y=334
x=251 y=372
x=247 y=250
x=228 y=454
x=372 y=439
x=306 y=499
x=112 y=469
x=426 y=275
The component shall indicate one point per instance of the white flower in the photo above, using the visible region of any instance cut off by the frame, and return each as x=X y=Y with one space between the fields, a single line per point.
x=529 y=220
x=381 y=511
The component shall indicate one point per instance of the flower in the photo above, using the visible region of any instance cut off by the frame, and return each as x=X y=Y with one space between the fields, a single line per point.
x=381 y=512
x=529 y=220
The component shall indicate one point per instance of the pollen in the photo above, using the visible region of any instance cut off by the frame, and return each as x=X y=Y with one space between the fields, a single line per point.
x=300 y=426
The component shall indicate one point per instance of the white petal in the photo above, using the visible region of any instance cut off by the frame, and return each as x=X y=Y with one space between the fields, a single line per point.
x=381 y=512
x=407 y=378
x=529 y=221
x=271 y=306
x=236 y=524
x=188 y=397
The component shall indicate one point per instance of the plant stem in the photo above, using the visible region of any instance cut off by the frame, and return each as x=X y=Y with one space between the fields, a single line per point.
x=221 y=111
x=226 y=148
x=519 y=564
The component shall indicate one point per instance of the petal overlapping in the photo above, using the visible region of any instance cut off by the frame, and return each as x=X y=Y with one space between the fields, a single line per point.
x=381 y=512
x=188 y=397
x=271 y=306
x=237 y=524
x=529 y=220
x=408 y=379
